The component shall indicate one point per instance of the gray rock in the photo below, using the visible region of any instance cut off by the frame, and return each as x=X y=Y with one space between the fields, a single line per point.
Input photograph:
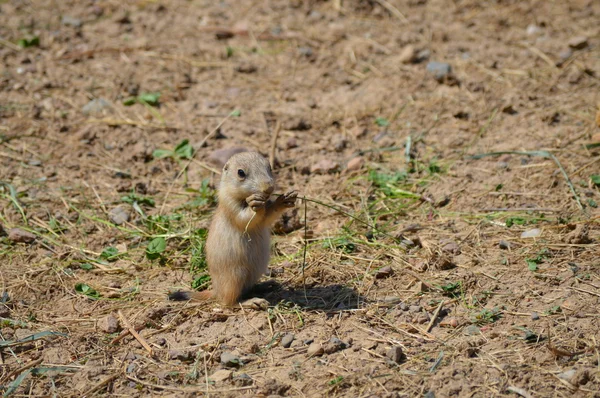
x=109 y=324
x=472 y=330
x=17 y=235
x=422 y=56
x=567 y=375
x=533 y=30
x=182 y=355
x=415 y=308
x=68 y=20
x=315 y=350
x=451 y=248
x=242 y=380
x=230 y=360
x=504 y=245
x=221 y=156
x=395 y=354
x=287 y=340
x=535 y=316
x=118 y=215
x=439 y=70
x=95 y=106
x=221 y=375
x=334 y=345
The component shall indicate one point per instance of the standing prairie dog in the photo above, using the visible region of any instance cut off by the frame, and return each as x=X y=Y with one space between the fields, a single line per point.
x=238 y=245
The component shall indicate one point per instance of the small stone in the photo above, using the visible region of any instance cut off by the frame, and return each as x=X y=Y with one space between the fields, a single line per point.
x=509 y=109
x=324 y=166
x=286 y=341
x=339 y=143
x=308 y=341
x=421 y=319
x=429 y=394
x=182 y=355
x=415 y=308
x=395 y=354
x=71 y=21
x=297 y=125
x=242 y=380
x=17 y=235
x=578 y=42
x=230 y=360
x=161 y=341
x=95 y=106
x=122 y=18
x=504 y=245
x=355 y=164
x=109 y=324
x=384 y=272
x=131 y=367
x=449 y=323
x=472 y=330
x=35 y=162
x=564 y=56
x=422 y=56
x=221 y=375
x=118 y=215
x=315 y=350
x=452 y=248
x=246 y=68
x=221 y=156
x=305 y=51
x=531 y=233
x=535 y=316
x=407 y=55
x=533 y=30
x=439 y=70
x=334 y=345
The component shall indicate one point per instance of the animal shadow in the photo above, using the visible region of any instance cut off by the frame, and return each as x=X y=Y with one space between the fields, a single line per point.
x=325 y=298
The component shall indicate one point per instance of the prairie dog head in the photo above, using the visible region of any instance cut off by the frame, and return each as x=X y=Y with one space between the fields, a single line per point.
x=245 y=174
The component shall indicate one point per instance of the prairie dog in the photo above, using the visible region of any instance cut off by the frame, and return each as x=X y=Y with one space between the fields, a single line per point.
x=238 y=244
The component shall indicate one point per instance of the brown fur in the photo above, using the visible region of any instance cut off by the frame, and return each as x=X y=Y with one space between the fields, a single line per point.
x=237 y=257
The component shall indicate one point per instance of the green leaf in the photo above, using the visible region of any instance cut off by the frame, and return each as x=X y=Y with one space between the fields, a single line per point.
x=149 y=98
x=110 y=253
x=29 y=41
x=236 y=113
x=184 y=150
x=129 y=101
x=229 y=51
x=592 y=203
x=86 y=266
x=201 y=282
x=135 y=198
x=498 y=187
x=381 y=121
x=532 y=265
x=515 y=221
x=162 y=153
x=87 y=290
x=155 y=248
x=595 y=179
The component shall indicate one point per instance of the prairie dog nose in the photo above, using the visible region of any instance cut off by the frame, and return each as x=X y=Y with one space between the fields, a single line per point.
x=267 y=188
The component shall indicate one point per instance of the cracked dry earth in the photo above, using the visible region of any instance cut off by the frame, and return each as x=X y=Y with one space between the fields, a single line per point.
x=423 y=269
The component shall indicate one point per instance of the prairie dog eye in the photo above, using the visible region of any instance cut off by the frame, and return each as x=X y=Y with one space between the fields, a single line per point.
x=241 y=173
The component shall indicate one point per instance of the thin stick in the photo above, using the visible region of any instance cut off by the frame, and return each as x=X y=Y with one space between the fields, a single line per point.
x=135 y=334
x=183 y=389
x=519 y=391
x=23 y=368
x=247 y=225
x=101 y=384
x=305 y=248
x=392 y=10
x=434 y=317
x=274 y=143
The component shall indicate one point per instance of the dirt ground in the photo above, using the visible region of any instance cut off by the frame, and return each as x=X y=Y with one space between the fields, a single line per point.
x=420 y=268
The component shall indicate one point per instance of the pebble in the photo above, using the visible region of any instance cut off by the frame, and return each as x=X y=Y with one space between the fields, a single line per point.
x=95 y=106
x=356 y=163
x=242 y=379
x=395 y=354
x=439 y=70
x=230 y=360
x=297 y=125
x=109 y=324
x=421 y=319
x=221 y=156
x=533 y=30
x=452 y=248
x=221 y=375
x=578 y=42
x=531 y=233
x=422 y=56
x=504 y=245
x=118 y=215
x=384 y=272
x=246 y=68
x=334 y=345
x=161 y=341
x=472 y=330
x=564 y=56
x=17 y=235
x=415 y=308
x=287 y=340
x=182 y=355
x=71 y=21
x=305 y=51
x=567 y=375
x=291 y=143
x=339 y=143
x=324 y=166
x=535 y=316
x=315 y=350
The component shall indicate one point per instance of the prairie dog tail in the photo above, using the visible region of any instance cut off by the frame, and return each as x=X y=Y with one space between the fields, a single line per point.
x=192 y=296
